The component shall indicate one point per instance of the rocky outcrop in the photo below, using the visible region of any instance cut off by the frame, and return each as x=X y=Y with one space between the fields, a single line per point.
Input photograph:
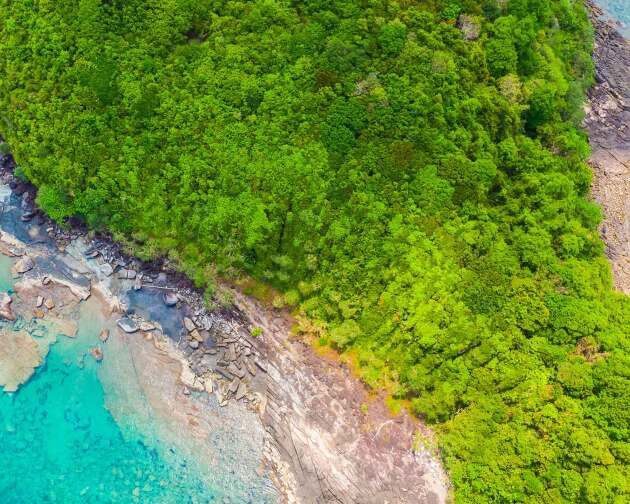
x=608 y=124
x=19 y=356
x=328 y=439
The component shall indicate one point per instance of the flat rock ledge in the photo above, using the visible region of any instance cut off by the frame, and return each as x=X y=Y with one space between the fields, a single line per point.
x=608 y=124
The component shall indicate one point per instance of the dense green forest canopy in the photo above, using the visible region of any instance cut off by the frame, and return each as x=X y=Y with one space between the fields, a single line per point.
x=410 y=175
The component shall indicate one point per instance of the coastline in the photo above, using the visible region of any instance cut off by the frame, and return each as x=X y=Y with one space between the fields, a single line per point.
x=607 y=123
x=324 y=438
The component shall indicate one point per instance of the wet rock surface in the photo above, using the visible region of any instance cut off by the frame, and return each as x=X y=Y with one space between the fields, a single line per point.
x=608 y=124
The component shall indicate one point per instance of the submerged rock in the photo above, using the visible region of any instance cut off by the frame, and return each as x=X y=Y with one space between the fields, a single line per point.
x=97 y=353
x=5 y=307
x=127 y=325
x=19 y=356
x=170 y=298
x=104 y=335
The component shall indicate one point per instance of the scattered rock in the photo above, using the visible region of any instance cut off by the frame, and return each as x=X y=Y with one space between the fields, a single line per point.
x=27 y=216
x=208 y=385
x=262 y=367
x=23 y=265
x=137 y=284
x=5 y=307
x=189 y=324
x=106 y=269
x=230 y=355
x=91 y=254
x=196 y=335
x=104 y=335
x=236 y=371
x=170 y=298
x=127 y=325
x=234 y=384
x=46 y=280
x=127 y=274
x=146 y=326
x=97 y=353
x=241 y=391
x=250 y=367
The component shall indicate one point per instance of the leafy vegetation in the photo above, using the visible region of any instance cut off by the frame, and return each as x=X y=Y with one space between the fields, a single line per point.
x=420 y=195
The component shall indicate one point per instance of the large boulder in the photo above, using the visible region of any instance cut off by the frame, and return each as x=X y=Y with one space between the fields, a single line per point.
x=23 y=265
x=127 y=325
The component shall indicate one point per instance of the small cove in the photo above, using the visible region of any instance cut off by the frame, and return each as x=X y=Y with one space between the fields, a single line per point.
x=120 y=430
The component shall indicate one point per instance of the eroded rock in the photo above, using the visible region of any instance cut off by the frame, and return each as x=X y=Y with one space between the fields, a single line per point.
x=5 y=307
x=19 y=356
x=127 y=325
x=23 y=265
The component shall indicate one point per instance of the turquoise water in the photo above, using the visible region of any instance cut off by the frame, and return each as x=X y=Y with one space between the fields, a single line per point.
x=59 y=443
x=620 y=10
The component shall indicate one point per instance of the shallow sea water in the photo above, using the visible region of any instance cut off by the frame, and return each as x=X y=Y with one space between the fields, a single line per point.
x=60 y=443
x=619 y=10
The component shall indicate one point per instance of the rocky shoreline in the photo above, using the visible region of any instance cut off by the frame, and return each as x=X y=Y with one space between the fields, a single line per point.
x=608 y=125
x=325 y=438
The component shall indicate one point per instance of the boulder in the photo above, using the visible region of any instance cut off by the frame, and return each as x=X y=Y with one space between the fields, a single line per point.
x=23 y=265
x=236 y=371
x=170 y=298
x=146 y=326
x=234 y=385
x=40 y=301
x=241 y=391
x=5 y=307
x=104 y=335
x=193 y=344
x=127 y=325
x=106 y=269
x=196 y=335
x=189 y=324
x=49 y=303
x=250 y=367
x=137 y=284
x=208 y=385
x=97 y=353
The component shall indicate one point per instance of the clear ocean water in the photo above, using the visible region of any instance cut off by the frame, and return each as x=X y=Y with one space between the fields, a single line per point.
x=620 y=10
x=59 y=443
